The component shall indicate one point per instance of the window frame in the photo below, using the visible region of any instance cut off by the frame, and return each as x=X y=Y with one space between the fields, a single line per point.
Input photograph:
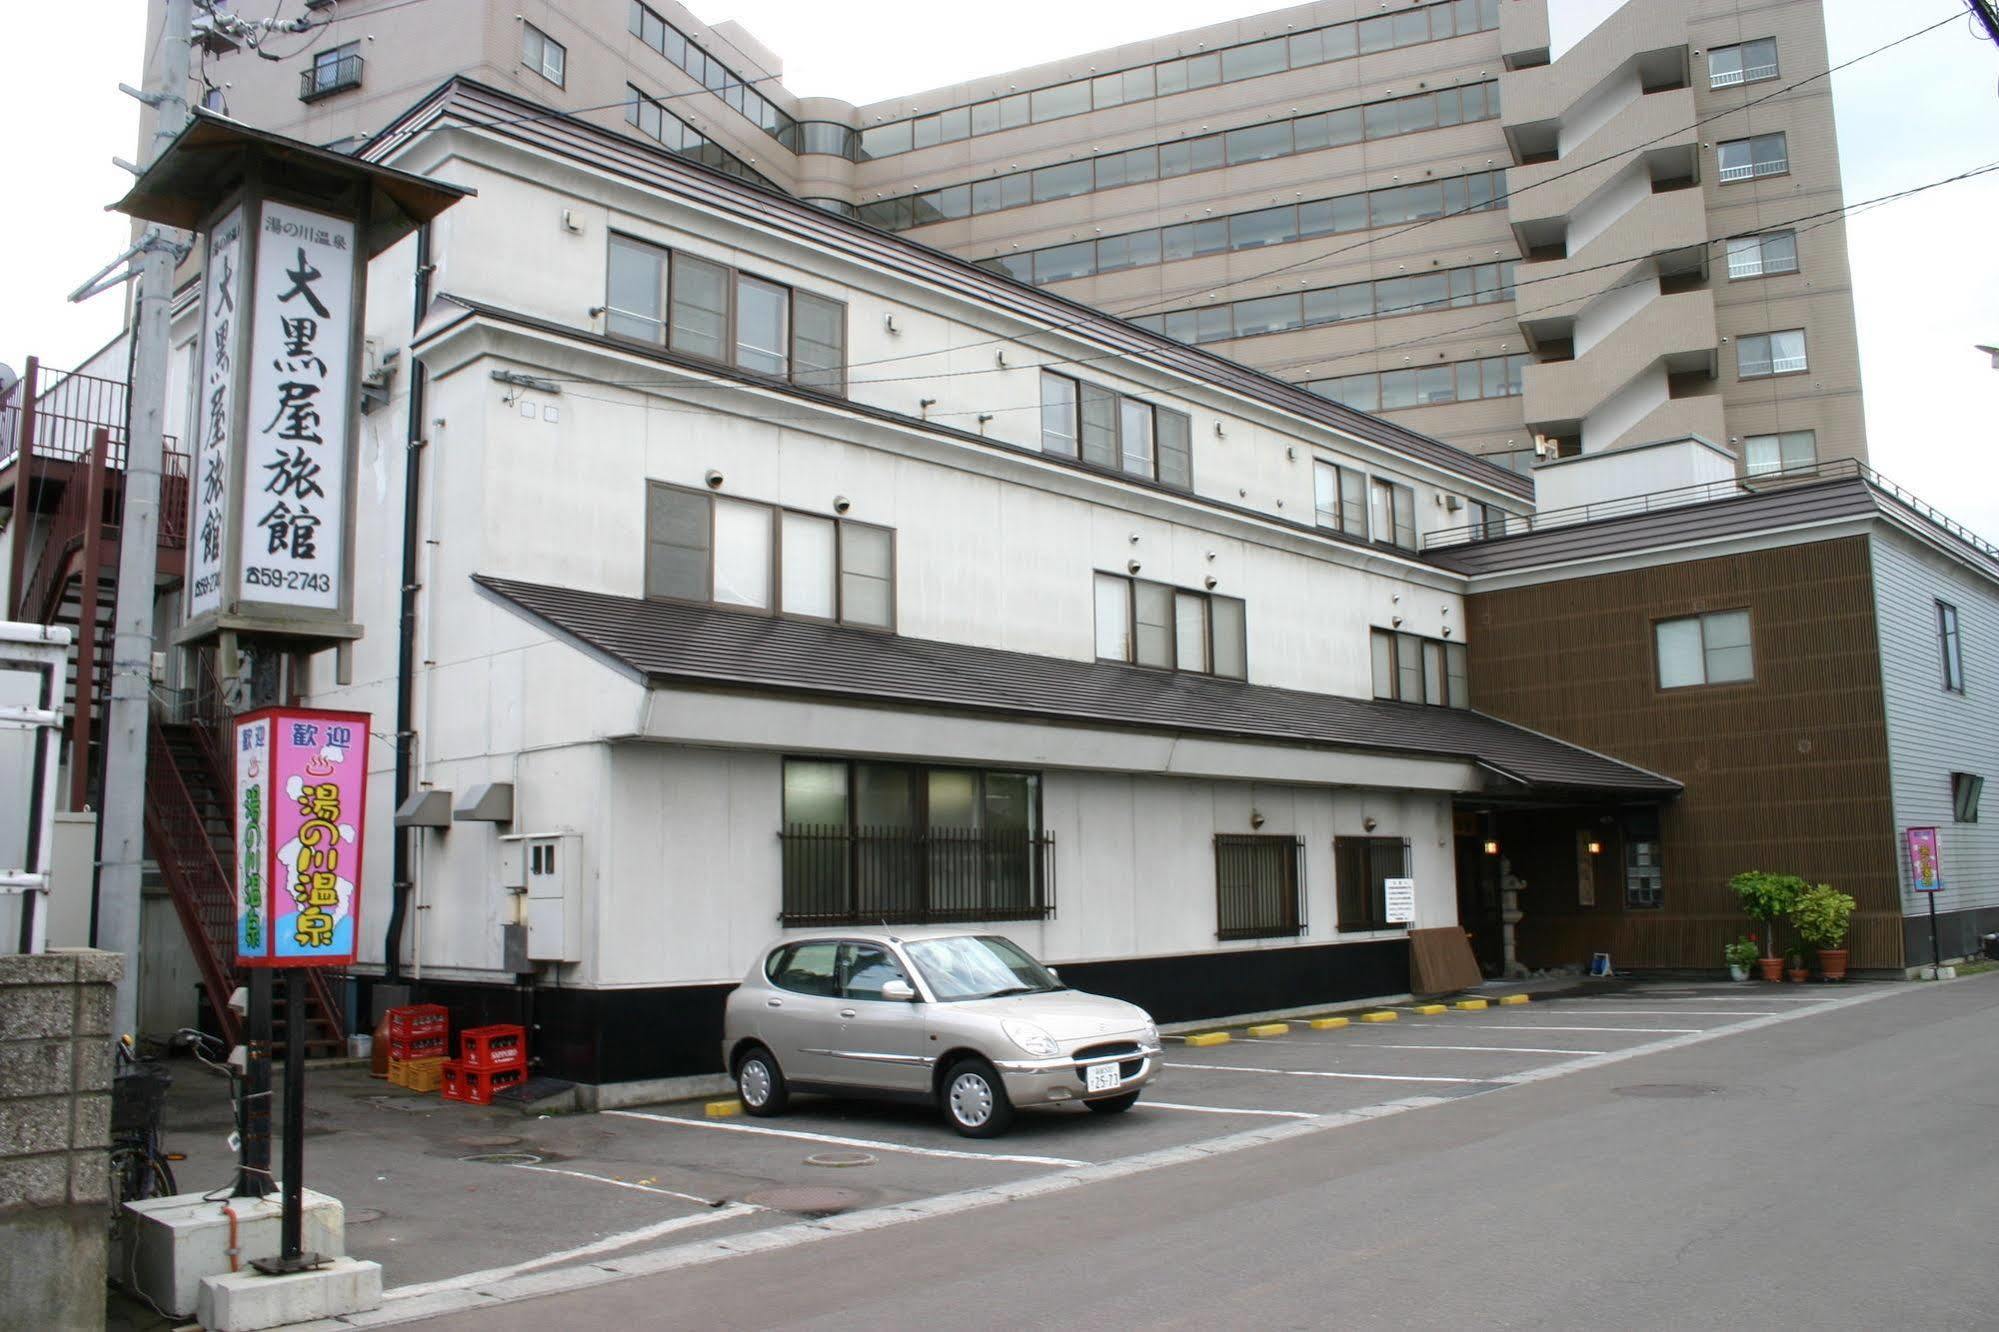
x=1453 y=654
x=775 y=586
x=1966 y=791
x=1770 y=357
x=1778 y=438
x=1701 y=618
x=545 y=42
x=1174 y=593
x=1763 y=268
x=1742 y=68
x=1342 y=473
x=1297 y=925
x=1398 y=493
x=732 y=280
x=1081 y=391
x=1721 y=172
x=1371 y=896
x=1950 y=646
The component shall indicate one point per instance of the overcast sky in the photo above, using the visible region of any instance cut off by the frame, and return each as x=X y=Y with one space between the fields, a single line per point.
x=1926 y=273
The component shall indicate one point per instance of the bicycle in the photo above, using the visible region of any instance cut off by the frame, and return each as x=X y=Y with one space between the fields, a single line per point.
x=140 y=1165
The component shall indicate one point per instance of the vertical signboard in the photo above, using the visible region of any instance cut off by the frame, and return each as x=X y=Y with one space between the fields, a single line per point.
x=1925 y=860
x=294 y=478
x=1399 y=899
x=215 y=413
x=301 y=792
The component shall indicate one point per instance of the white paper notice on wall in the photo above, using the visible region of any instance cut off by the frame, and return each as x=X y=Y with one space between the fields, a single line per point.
x=1401 y=894
x=295 y=451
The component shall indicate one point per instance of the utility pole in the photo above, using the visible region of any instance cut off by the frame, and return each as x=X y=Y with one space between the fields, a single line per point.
x=124 y=812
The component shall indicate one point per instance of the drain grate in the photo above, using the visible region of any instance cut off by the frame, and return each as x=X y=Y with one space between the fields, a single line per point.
x=809 y=1200
x=1669 y=1090
x=503 y=1158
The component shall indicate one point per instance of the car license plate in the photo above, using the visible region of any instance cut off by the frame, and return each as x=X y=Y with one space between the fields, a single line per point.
x=1103 y=1077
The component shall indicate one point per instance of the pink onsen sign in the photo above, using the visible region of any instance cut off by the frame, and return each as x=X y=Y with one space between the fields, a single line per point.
x=301 y=788
x=1925 y=860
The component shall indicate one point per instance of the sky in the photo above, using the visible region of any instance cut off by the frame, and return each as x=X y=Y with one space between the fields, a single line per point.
x=1925 y=273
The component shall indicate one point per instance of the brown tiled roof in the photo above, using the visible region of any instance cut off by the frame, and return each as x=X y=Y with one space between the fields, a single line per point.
x=505 y=115
x=665 y=642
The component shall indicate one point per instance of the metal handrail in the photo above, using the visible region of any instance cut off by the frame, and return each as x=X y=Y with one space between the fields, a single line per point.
x=1738 y=487
x=200 y=888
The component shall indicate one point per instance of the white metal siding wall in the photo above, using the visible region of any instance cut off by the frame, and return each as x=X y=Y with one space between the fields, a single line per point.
x=1931 y=731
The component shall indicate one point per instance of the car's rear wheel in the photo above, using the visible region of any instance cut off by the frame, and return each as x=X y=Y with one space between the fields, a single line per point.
x=1114 y=1105
x=975 y=1100
x=760 y=1083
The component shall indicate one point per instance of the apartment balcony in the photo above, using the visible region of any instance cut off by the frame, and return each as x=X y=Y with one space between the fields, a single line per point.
x=1655 y=131
x=1666 y=337
x=329 y=77
x=1669 y=228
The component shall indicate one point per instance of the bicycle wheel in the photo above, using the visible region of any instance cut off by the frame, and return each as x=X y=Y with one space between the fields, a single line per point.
x=162 y=1178
x=129 y=1175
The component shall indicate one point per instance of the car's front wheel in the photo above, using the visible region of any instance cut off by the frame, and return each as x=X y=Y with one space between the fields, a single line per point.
x=975 y=1100
x=760 y=1083
x=1114 y=1105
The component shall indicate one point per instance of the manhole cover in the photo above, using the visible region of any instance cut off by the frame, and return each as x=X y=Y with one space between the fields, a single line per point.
x=817 y=1201
x=503 y=1158
x=496 y=1140
x=361 y=1216
x=1669 y=1090
x=840 y=1159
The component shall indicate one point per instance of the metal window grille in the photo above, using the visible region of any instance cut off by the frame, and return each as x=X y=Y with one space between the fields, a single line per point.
x=1259 y=887
x=330 y=76
x=858 y=876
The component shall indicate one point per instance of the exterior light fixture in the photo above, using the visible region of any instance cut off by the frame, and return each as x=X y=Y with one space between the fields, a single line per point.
x=1596 y=848
x=1492 y=848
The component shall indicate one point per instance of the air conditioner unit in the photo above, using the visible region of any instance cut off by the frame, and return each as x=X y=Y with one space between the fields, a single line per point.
x=1454 y=502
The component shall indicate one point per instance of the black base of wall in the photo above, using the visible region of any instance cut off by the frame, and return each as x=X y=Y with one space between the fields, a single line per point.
x=600 y=1036
x=1959 y=934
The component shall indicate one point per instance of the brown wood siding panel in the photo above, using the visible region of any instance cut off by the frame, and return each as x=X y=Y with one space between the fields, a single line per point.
x=1787 y=773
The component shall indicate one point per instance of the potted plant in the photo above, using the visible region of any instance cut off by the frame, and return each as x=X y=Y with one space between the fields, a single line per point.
x=1795 y=969
x=1769 y=898
x=1741 y=955
x=1821 y=918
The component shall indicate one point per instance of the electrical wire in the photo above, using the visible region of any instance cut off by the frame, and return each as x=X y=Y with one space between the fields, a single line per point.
x=1803 y=223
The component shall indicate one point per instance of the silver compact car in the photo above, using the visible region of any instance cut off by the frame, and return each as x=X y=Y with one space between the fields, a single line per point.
x=967 y=1022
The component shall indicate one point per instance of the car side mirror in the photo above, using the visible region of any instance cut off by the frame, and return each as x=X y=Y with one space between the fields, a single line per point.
x=1053 y=972
x=899 y=991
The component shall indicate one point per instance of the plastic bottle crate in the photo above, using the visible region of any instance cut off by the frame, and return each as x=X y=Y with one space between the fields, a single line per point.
x=416 y=1021
x=419 y=1075
x=493 y=1047
x=475 y=1086
x=411 y=1048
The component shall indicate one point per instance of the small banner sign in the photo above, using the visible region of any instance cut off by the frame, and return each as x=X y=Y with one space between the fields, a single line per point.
x=1925 y=860
x=301 y=788
x=1401 y=900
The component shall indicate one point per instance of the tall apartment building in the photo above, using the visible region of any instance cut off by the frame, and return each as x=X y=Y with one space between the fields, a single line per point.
x=1415 y=209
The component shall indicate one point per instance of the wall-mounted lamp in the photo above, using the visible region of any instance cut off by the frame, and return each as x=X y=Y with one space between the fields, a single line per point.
x=1256 y=818
x=1132 y=566
x=1596 y=848
x=714 y=479
x=1492 y=848
x=1395 y=622
x=1209 y=582
x=841 y=504
x=1368 y=824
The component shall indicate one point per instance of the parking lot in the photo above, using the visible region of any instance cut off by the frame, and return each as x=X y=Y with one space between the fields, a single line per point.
x=461 y=1204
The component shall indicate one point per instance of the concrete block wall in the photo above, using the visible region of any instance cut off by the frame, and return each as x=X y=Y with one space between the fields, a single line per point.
x=55 y=1125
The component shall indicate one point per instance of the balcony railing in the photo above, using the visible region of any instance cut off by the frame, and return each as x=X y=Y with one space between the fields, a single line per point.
x=1746 y=170
x=902 y=876
x=1708 y=491
x=1729 y=78
x=329 y=77
x=1776 y=365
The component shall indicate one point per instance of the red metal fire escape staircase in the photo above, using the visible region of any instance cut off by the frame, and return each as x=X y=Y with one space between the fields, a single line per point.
x=63 y=444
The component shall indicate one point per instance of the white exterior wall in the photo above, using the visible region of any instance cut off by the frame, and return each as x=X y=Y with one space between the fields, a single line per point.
x=1933 y=732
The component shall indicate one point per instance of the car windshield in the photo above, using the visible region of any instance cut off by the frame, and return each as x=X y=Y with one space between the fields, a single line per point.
x=978 y=967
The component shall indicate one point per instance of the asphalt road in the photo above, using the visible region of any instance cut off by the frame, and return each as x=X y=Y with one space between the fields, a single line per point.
x=1837 y=1170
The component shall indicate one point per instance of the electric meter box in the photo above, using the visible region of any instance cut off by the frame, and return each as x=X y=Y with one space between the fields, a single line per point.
x=546 y=869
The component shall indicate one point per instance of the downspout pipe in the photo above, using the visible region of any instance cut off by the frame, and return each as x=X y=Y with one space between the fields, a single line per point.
x=399 y=875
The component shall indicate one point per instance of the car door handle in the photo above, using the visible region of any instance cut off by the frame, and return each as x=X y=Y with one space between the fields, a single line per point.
x=846 y=1012
x=773 y=1003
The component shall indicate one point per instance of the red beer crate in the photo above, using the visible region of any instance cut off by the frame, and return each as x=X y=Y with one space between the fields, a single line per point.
x=475 y=1086
x=493 y=1047
x=409 y=1049
x=419 y=1021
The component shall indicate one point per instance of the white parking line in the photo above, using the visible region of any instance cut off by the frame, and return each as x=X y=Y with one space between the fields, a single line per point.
x=621 y=1183
x=867 y=1143
x=1317 y=1073
x=605 y=1245
x=1228 y=1110
x=1538 y=1026
x=1480 y=1049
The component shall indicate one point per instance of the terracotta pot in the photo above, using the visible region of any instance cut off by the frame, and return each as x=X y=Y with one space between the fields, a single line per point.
x=1799 y=975
x=1832 y=963
x=1770 y=968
